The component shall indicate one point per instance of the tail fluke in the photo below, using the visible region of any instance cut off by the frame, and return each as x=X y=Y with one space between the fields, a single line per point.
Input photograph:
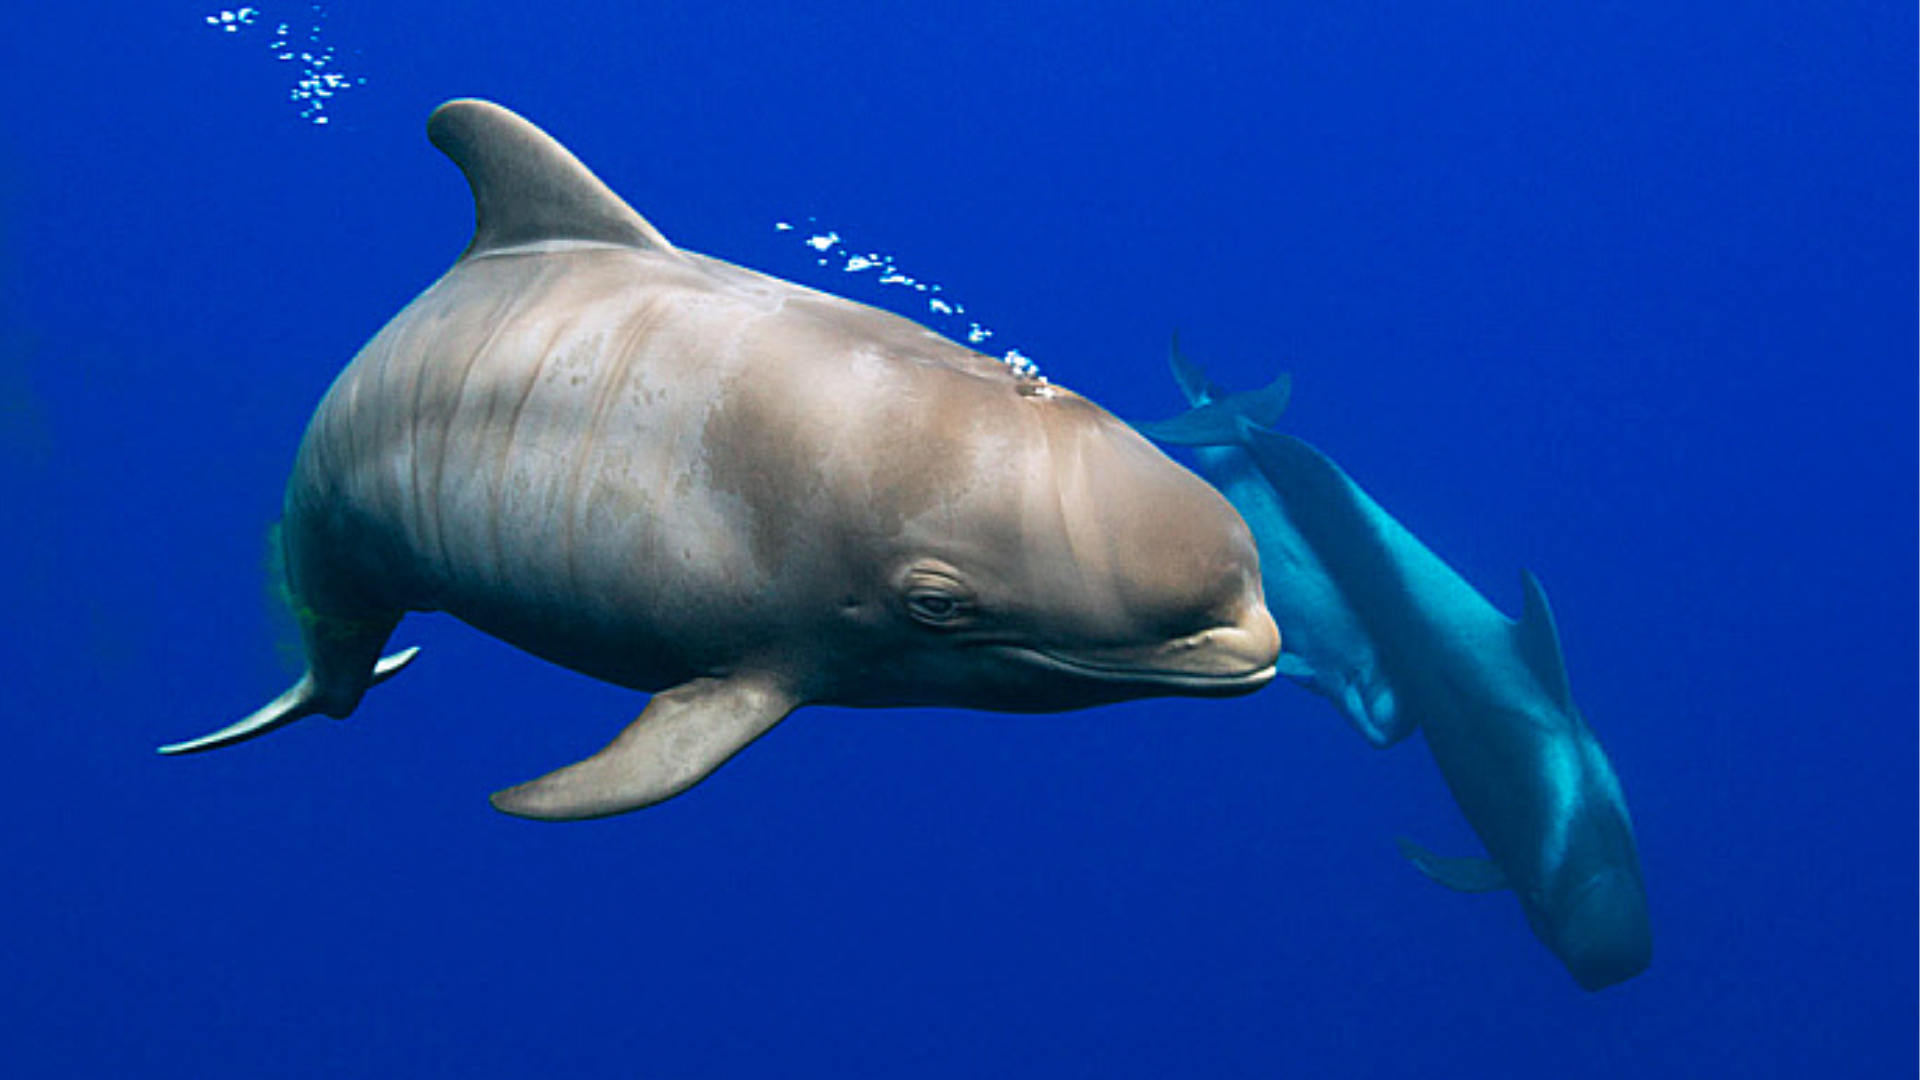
x=1219 y=422
x=302 y=700
x=1193 y=382
x=1217 y=416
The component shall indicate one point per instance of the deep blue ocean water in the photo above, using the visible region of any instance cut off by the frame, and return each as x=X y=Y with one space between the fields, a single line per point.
x=1620 y=293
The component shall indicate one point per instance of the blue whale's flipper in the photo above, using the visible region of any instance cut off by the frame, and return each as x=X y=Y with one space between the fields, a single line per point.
x=1460 y=875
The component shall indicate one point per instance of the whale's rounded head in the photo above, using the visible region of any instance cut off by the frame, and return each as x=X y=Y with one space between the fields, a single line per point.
x=1601 y=932
x=1073 y=565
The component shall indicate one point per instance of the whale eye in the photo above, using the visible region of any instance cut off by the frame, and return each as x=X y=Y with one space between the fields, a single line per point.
x=934 y=608
x=935 y=597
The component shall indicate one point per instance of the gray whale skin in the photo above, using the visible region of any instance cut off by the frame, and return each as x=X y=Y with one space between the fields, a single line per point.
x=676 y=475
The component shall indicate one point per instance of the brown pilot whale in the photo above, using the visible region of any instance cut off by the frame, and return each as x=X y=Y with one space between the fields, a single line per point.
x=743 y=496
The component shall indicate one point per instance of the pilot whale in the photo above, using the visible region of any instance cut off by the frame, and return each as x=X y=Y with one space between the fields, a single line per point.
x=1396 y=640
x=1326 y=646
x=738 y=494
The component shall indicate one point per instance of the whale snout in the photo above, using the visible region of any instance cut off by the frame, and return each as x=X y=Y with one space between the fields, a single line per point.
x=1227 y=659
x=1238 y=654
x=1186 y=578
x=1604 y=937
x=1137 y=578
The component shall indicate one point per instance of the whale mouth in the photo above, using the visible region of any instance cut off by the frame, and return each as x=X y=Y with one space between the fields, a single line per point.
x=1219 y=661
x=1193 y=682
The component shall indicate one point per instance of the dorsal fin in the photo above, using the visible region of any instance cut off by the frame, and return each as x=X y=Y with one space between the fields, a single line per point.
x=527 y=187
x=1539 y=641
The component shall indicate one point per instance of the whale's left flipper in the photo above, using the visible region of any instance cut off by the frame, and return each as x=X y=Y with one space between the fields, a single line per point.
x=1460 y=875
x=302 y=700
x=682 y=735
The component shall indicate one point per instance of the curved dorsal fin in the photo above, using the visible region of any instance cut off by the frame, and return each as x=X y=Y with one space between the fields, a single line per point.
x=527 y=187
x=1539 y=641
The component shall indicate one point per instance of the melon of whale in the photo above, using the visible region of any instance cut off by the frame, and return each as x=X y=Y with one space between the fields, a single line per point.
x=738 y=494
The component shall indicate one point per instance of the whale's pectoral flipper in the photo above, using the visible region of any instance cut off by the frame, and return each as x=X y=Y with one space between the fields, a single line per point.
x=302 y=700
x=1460 y=875
x=1374 y=711
x=683 y=735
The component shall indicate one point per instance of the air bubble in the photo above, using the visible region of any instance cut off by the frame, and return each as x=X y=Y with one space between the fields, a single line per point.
x=319 y=78
x=833 y=250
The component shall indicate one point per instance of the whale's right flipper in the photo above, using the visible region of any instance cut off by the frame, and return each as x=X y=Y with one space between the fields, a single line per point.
x=300 y=701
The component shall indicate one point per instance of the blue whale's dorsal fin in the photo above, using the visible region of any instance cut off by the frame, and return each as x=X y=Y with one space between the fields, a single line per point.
x=527 y=188
x=1193 y=382
x=1539 y=642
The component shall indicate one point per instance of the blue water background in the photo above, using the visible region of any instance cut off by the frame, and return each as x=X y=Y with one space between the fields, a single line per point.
x=1622 y=293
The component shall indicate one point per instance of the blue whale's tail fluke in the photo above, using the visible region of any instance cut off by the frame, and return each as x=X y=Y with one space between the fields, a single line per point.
x=1217 y=415
x=1193 y=382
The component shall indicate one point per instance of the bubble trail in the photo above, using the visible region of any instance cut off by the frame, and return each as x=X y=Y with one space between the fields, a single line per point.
x=298 y=43
x=833 y=251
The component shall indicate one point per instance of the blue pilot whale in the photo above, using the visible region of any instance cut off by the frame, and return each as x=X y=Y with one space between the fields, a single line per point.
x=1375 y=622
